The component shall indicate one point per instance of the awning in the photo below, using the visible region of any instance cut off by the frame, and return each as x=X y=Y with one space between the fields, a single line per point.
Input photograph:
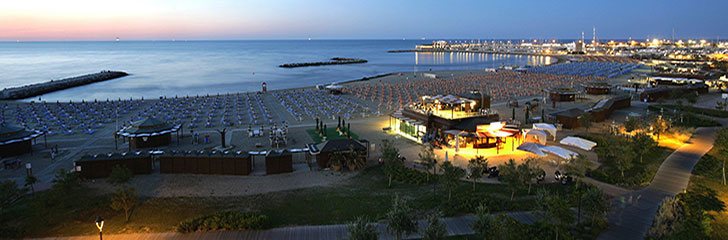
x=578 y=142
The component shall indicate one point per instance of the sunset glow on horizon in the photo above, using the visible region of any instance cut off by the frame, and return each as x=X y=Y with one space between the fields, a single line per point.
x=285 y=19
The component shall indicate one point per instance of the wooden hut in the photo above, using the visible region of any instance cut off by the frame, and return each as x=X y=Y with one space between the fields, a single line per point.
x=569 y=118
x=200 y=162
x=148 y=133
x=324 y=151
x=278 y=161
x=605 y=107
x=100 y=165
x=561 y=94
x=16 y=140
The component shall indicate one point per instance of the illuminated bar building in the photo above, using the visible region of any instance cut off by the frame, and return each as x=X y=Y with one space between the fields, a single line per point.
x=435 y=117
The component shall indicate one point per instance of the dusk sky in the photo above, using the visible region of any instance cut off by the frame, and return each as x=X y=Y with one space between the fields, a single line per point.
x=348 y=19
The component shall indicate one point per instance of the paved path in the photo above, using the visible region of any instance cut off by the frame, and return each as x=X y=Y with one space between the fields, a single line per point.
x=632 y=213
x=455 y=226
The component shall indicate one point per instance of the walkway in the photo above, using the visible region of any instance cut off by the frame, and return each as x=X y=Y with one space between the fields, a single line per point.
x=455 y=226
x=632 y=213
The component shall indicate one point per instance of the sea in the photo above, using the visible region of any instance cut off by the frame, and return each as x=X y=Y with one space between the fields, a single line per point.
x=189 y=68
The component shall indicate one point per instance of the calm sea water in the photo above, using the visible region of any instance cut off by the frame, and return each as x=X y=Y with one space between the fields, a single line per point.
x=209 y=67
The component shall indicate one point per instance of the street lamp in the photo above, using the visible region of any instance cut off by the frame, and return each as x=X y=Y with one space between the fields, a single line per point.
x=100 y=226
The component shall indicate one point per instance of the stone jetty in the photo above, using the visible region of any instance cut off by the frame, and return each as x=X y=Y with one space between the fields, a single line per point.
x=333 y=61
x=33 y=90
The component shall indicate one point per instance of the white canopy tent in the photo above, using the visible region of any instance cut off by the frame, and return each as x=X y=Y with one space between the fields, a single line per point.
x=537 y=135
x=578 y=142
x=560 y=152
x=550 y=128
x=534 y=148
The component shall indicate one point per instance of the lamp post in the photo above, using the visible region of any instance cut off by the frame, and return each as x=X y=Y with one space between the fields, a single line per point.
x=100 y=226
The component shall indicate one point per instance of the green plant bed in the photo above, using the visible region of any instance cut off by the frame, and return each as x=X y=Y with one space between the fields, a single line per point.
x=365 y=194
x=331 y=134
x=230 y=220
x=691 y=109
x=640 y=174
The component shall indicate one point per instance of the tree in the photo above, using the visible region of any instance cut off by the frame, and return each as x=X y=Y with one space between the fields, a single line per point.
x=428 y=160
x=392 y=163
x=124 y=199
x=30 y=181
x=631 y=124
x=595 y=205
x=451 y=177
x=120 y=174
x=511 y=176
x=556 y=212
x=9 y=192
x=529 y=171
x=721 y=141
x=65 y=181
x=476 y=166
x=361 y=229
x=399 y=218
x=642 y=143
x=435 y=228
x=669 y=216
x=481 y=226
x=659 y=126
x=586 y=120
x=577 y=167
x=623 y=160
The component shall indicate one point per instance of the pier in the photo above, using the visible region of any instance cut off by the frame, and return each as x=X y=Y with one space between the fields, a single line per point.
x=33 y=90
x=333 y=61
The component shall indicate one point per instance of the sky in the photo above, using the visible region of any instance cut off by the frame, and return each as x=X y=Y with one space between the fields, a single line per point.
x=64 y=20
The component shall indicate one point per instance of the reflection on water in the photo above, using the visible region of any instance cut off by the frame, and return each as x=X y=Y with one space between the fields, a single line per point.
x=465 y=58
x=161 y=68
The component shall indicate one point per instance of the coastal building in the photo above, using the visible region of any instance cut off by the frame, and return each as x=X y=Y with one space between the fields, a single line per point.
x=148 y=133
x=325 y=150
x=16 y=140
x=432 y=116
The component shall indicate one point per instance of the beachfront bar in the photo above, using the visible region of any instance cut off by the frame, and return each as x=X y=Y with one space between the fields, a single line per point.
x=16 y=140
x=148 y=133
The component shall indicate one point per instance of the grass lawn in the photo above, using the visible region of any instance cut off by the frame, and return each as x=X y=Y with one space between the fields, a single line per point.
x=363 y=195
x=708 y=172
x=331 y=133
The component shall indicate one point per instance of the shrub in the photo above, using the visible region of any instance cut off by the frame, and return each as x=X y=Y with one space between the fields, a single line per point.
x=230 y=220
x=119 y=175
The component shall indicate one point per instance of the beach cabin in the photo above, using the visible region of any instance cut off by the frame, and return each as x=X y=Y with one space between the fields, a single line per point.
x=278 y=161
x=569 y=118
x=148 y=133
x=202 y=162
x=100 y=165
x=16 y=140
